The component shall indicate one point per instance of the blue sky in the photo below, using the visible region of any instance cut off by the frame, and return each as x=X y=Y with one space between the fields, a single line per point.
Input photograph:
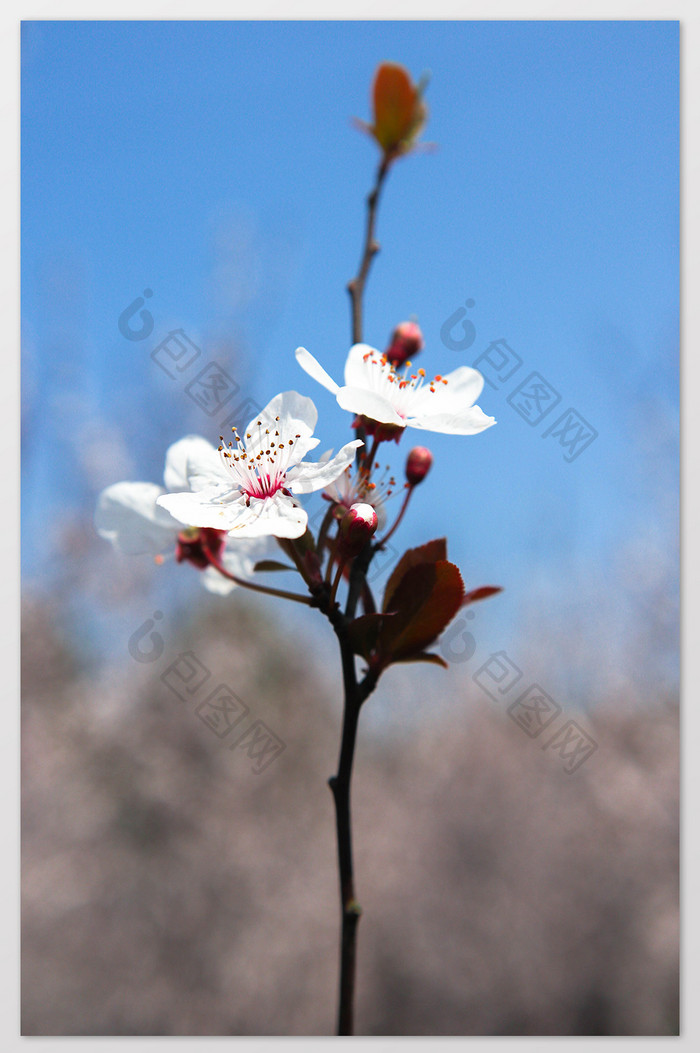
x=215 y=165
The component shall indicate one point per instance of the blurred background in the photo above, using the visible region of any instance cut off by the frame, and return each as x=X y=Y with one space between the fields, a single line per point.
x=192 y=207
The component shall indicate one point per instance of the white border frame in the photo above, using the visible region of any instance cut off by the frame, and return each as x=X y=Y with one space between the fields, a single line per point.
x=13 y=13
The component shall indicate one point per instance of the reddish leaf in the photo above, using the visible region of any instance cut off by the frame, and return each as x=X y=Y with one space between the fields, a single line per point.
x=427 y=598
x=431 y=552
x=364 y=631
x=425 y=656
x=482 y=593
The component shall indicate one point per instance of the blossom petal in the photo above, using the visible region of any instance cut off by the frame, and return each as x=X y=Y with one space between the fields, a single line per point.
x=315 y=370
x=128 y=516
x=469 y=421
x=465 y=383
x=241 y=554
x=461 y=390
x=208 y=507
x=369 y=404
x=359 y=368
x=224 y=509
x=306 y=478
x=279 y=516
x=297 y=416
x=205 y=468
x=217 y=583
x=189 y=457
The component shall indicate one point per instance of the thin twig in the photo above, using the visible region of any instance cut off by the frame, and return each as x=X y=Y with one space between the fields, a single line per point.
x=354 y=693
x=356 y=287
x=336 y=580
x=404 y=506
x=280 y=593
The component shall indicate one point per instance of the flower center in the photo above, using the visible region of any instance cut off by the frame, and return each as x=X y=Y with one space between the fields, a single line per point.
x=399 y=388
x=260 y=464
x=356 y=487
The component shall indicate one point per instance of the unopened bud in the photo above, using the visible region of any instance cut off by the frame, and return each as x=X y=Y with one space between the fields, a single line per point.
x=399 y=110
x=418 y=464
x=357 y=527
x=406 y=341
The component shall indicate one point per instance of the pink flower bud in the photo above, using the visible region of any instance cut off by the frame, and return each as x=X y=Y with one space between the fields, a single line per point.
x=418 y=464
x=406 y=341
x=357 y=527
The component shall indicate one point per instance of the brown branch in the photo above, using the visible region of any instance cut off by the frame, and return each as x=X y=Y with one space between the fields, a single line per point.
x=350 y=910
x=356 y=287
x=354 y=693
x=340 y=785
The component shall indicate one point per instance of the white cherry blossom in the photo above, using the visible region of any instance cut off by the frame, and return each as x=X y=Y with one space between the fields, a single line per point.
x=375 y=389
x=354 y=485
x=128 y=516
x=250 y=487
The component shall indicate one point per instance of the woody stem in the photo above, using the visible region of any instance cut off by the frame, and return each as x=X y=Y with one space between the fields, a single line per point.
x=332 y=553
x=350 y=910
x=356 y=287
x=354 y=693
